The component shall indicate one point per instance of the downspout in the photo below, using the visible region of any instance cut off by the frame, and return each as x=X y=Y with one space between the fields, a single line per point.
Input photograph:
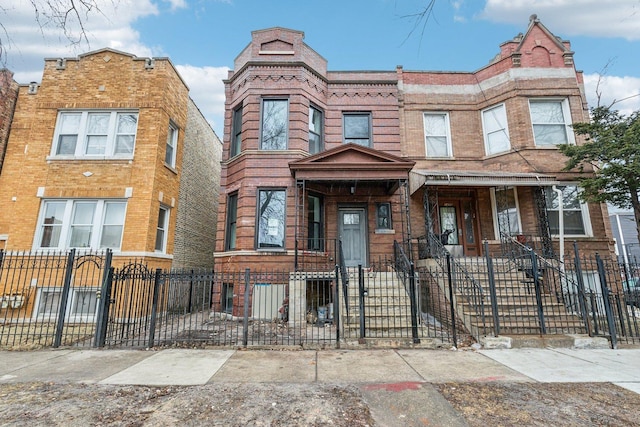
x=622 y=243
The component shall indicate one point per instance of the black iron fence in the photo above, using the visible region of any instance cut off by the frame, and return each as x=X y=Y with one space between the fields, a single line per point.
x=81 y=299
x=49 y=299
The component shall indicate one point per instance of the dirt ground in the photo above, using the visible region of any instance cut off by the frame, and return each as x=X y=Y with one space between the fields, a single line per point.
x=481 y=404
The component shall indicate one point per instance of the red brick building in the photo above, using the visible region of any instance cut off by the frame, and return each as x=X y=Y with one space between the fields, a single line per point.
x=313 y=156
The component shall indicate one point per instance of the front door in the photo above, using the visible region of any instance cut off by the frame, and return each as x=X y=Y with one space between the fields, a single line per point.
x=458 y=226
x=353 y=233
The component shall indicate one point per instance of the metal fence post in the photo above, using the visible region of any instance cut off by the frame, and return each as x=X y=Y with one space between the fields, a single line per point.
x=104 y=299
x=336 y=307
x=535 y=274
x=607 y=303
x=582 y=300
x=492 y=290
x=361 y=300
x=64 y=295
x=451 y=305
x=154 y=306
x=245 y=320
x=414 y=303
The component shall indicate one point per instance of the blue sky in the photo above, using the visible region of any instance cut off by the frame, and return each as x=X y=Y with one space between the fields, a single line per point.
x=202 y=37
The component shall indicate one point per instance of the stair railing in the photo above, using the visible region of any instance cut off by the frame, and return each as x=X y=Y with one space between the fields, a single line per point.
x=406 y=272
x=344 y=276
x=549 y=276
x=461 y=282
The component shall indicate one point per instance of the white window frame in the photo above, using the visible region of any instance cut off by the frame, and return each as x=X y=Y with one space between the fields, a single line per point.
x=503 y=126
x=566 y=113
x=584 y=209
x=80 y=151
x=494 y=206
x=97 y=223
x=172 y=146
x=70 y=315
x=162 y=228
x=447 y=134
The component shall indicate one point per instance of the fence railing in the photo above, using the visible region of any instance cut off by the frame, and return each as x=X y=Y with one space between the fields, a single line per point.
x=49 y=299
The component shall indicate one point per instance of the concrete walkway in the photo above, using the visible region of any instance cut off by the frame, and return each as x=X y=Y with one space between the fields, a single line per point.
x=386 y=377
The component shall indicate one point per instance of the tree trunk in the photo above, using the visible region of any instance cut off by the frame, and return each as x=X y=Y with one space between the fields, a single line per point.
x=635 y=204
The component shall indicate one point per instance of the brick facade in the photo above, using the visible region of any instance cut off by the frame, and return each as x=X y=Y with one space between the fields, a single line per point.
x=8 y=97
x=277 y=64
x=108 y=80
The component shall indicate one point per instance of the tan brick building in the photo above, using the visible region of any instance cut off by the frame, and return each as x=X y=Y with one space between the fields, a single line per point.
x=313 y=156
x=110 y=152
x=8 y=97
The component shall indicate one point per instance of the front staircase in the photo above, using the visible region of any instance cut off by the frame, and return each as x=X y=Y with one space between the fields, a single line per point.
x=386 y=307
x=519 y=312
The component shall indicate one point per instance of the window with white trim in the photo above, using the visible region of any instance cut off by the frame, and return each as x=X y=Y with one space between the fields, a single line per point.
x=91 y=134
x=496 y=131
x=551 y=121
x=172 y=144
x=316 y=123
x=81 y=306
x=161 y=229
x=95 y=224
x=437 y=135
x=575 y=213
x=506 y=211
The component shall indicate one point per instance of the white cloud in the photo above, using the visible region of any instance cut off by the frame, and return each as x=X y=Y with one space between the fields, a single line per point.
x=26 y=43
x=177 y=4
x=597 y=18
x=622 y=92
x=207 y=91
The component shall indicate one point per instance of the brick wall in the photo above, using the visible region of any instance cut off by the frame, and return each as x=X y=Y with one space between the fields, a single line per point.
x=199 y=192
x=8 y=97
x=104 y=79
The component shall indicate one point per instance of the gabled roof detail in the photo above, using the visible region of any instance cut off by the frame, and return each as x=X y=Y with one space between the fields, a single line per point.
x=538 y=47
x=351 y=162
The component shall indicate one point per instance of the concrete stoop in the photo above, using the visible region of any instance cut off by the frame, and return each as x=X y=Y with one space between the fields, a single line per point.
x=576 y=341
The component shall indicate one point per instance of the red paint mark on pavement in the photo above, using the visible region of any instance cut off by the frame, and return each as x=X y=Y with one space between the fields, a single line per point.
x=489 y=379
x=395 y=387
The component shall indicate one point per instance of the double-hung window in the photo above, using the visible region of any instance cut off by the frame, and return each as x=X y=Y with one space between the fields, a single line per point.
x=316 y=120
x=81 y=306
x=172 y=144
x=496 y=131
x=575 y=214
x=437 y=135
x=232 y=218
x=91 y=134
x=506 y=211
x=357 y=128
x=271 y=218
x=275 y=124
x=315 y=223
x=236 y=137
x=96 y=224
x=161 y=229
x=551 y=121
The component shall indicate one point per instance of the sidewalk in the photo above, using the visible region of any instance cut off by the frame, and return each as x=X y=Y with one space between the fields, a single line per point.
x=386 y=377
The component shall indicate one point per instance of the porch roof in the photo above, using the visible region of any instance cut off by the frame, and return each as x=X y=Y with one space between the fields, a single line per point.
x=351 y=162
x=418 y=178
